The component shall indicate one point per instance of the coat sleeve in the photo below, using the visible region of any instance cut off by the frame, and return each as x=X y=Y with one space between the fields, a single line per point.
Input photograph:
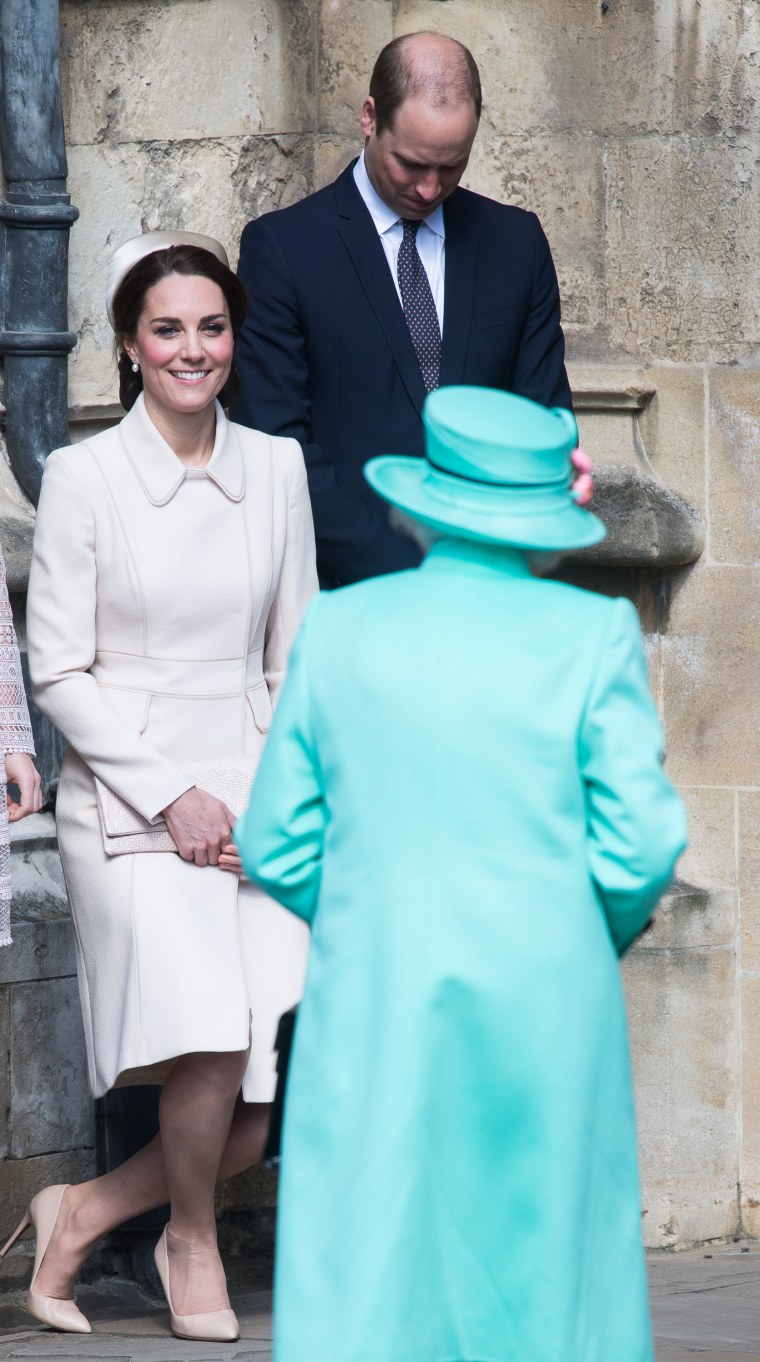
x=354 y=539
x=539 y=371
x=298 y=578
x=636 y=824
x=281 y=835
x=61 y=618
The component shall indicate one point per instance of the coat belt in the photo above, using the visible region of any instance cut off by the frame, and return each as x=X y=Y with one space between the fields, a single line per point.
x=186 y=676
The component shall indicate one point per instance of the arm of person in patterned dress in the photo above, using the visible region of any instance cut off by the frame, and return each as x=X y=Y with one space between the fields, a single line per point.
x=15 y=727
x=636 y=824
x=280 y=836
x=61 y=613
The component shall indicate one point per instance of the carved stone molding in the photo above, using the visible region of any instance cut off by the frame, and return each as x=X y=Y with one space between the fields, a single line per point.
x=649 y=525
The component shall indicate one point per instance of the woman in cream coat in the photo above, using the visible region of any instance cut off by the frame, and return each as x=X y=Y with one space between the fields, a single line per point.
x=173 y=559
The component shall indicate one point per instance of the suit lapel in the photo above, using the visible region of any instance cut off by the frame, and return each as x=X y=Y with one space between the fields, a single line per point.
x=459 y=286
x=368 y=257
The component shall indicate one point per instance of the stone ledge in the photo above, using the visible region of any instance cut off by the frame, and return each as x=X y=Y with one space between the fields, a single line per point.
x=648 y=526
x=39 y=891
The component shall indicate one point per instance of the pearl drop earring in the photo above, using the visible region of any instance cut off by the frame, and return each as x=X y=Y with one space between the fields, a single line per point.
x=135 y=367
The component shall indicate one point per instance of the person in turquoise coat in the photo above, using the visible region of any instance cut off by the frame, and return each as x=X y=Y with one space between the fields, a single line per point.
x=463 y=794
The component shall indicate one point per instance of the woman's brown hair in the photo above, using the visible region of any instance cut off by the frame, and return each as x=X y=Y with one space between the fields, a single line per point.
x=129 y=303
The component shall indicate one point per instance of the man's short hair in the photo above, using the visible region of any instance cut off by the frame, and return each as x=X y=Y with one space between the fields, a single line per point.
x=398 y=74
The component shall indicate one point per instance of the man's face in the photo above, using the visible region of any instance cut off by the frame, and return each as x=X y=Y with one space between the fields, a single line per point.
x=419 y=160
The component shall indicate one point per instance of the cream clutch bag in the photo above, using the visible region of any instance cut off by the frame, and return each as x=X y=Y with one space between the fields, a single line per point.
x=126 y=831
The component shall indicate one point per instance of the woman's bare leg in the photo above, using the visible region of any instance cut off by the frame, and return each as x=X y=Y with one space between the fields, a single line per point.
x=91 y=1209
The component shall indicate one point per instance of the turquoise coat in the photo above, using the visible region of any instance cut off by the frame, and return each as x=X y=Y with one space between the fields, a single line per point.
x=463 y=794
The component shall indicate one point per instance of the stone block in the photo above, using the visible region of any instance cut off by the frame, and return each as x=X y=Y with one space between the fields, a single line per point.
x=690 y=917
x=561 y=64
x=189 y=185
x=630 y=68
x=350 y=36
x=683 y=234
x=711 y=662
x=269 y=173
x=682 y=1007
x=608 y=433
x=332 y=155
x=5 y=1070
x=750 y=1096
x=734 y=465
x=51 y=1109
x=137 y=72
x=671 y=430
x=20 y=1180
x=41 y=950
x=710 y=858
x=39 y=889
x=749 y=878
x=714 y=49
x=107 y=184
x=561 y=178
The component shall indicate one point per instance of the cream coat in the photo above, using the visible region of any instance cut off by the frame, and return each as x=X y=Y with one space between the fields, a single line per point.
x=162 y=605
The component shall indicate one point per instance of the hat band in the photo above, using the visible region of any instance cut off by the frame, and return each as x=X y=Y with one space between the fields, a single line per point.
x=489 y=498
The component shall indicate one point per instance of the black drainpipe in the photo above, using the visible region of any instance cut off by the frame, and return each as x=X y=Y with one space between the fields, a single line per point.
x=35 y=220
x=36 y=216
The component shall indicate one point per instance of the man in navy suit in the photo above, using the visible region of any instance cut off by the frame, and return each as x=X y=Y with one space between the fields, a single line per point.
x=384 y=285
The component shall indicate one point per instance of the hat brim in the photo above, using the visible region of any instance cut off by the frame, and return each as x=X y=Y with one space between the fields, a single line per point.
x=404 y=481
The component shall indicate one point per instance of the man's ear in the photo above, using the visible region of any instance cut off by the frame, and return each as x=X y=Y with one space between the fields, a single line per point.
x=367 y=117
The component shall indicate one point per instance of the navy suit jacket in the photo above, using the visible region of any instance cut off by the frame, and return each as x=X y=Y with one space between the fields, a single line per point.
x=325 y=354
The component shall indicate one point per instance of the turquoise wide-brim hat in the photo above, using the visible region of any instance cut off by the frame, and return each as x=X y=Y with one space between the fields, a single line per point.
x=497 y=469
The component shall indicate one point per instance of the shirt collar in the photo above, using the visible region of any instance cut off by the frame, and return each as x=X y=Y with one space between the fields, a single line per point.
x=161 y=473
x=384 y=217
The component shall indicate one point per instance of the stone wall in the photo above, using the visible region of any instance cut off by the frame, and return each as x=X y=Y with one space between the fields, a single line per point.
x=633 y=129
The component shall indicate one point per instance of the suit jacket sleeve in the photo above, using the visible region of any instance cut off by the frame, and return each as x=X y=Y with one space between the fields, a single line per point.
x=540 y=367
x=354 y=539
x=297 y=581
x=636 y=825
x=61 y=618
x=281 y=835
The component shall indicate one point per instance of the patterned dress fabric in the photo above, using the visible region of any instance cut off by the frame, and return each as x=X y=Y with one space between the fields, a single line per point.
x=15 y=736
x=419 y=306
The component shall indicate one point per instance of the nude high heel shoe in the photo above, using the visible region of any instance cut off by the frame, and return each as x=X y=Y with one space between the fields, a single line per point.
x=216 y=1326
x=41 y=1216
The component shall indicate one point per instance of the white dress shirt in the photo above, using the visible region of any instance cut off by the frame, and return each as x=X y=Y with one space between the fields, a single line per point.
x=431 y=237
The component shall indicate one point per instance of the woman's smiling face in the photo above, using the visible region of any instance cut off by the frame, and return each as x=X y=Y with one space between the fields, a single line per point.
x=183 y=343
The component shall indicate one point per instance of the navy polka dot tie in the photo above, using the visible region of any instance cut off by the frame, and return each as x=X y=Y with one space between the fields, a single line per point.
x=419 y=306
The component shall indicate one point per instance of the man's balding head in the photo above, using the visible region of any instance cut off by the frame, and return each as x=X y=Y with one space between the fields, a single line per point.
x=436 y=70
x=419 y=121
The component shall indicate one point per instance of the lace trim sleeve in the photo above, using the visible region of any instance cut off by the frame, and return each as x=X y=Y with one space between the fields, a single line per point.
x=15 y=726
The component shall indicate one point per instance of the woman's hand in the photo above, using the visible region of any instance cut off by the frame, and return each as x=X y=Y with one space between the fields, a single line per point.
x=20 y=770
x=583 y=484
x=230 y=860
x=200 y=825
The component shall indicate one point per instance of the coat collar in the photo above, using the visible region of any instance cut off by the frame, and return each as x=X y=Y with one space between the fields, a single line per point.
x=453 y=555
x=159 y=471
